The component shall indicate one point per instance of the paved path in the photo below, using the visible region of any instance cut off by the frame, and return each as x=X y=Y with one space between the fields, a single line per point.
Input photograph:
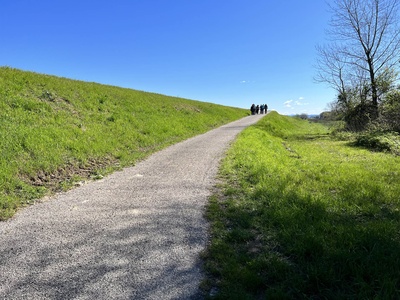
x=135 y=234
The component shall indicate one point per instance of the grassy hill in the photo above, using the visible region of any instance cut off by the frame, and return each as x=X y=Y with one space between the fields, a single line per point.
x=303 y=215
x=56 y=132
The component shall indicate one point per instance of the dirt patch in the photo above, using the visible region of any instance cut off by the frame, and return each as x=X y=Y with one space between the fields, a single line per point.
x=71 y=174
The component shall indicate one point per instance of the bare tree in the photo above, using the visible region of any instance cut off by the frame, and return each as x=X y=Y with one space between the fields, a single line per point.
x=331 y=68
x=366 y=37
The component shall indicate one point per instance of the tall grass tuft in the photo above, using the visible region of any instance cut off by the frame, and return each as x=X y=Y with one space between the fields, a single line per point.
x=55 y=132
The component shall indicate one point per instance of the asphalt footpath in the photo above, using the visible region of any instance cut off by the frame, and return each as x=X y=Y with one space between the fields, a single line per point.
x=136 y=234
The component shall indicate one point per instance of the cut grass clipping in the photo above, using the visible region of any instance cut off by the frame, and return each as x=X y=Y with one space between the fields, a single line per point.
x=301 y=216
x=55 y=132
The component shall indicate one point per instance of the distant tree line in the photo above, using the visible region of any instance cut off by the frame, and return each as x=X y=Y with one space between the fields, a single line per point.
x=362 y=64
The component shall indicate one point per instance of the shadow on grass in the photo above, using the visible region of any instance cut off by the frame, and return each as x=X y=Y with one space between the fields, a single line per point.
x=287 y=246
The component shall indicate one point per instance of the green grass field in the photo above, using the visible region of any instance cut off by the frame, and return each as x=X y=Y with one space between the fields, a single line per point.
x=55 y=132
x=300 y=215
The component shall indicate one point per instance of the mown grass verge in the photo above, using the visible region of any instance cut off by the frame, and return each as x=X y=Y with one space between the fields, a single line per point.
x=55 y=132
x=299 y=215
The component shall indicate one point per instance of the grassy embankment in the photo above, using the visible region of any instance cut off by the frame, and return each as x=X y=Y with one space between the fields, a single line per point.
x=300 y=215
x=55 y=132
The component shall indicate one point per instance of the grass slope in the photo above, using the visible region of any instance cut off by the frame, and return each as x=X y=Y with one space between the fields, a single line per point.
x=55 y=132
x=302 y=216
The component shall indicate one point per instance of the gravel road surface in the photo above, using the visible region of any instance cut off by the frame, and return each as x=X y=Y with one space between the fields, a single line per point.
x=135 y=234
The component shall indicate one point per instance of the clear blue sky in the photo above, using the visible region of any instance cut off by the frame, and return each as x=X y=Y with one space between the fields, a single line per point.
x=228 y=52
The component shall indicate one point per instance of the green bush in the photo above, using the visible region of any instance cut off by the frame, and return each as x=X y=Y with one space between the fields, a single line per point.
x=390 y=111
x=378 y=141
x=358 y=118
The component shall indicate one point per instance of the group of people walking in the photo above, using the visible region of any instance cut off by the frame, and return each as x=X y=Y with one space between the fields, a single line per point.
x=258 y=109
